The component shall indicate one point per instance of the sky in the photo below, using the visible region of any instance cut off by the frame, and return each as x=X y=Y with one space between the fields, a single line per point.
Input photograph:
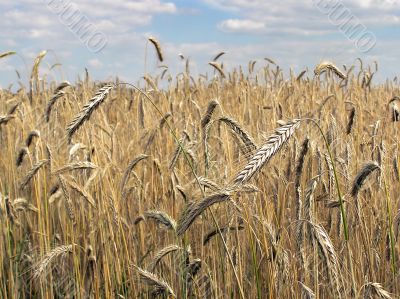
x=295 y=34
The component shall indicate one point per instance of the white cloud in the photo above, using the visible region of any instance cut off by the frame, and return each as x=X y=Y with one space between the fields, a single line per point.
x=116 y=16
x=302 y=17
x=96 y=63
x=241 y=25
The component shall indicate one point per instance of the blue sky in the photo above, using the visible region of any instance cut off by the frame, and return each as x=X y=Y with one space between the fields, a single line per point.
x=295 y=34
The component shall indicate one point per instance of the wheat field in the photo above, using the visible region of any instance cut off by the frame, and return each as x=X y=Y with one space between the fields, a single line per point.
x=239 y=184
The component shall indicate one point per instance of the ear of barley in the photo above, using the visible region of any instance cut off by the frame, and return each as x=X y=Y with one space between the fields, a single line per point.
x=68 y=202
x=306 y=291
x=251 y=66
x=270 y=60
x=21 y=154
x=395 y=112
x=49 y=154
x=351 y=121
x=300 y=161
x=192 y=269
x=225 y=229
x=31 y=136
x=194 y=209
x=210 y=110
x=54 y=189
x=10 y=211
x=161 y=218
x=207 y=183
x=322 y=104
x=88 y=109
x=61 y=86
x=160 y=287
x=4 y=119
x=13 y=108
x=309 y=199
x=21 y=204
x=35 y=74
x=160 y=255
x=178 y=150
x=164 y=119
x=299 y=170
x=333 y=203
x=267 y=151
x=395 y=98
x=247 y=188
x=218 y=56
x=324 y=243
x=138 y=219
x=218 y=67
x=241 y=133
x=327 y=65
x=361 y=176
x=301 y=75
x=114 y=212
x=31 y=173
x=51 y=103
x=130 y=167
x=74 y=149
x=75 y=166
x=150 y=82
x=163 y=73
x=36 y=64
x=205 y=128
x=182 y=192
x=39 y=269
x=157 y=47
x=374 y=290
x=5 y=54
x=396 y=224
x=82 y=192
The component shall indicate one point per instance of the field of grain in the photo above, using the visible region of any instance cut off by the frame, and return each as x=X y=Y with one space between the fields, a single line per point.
x=241 y=184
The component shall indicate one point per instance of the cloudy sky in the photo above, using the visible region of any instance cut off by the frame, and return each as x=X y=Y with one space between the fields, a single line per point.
x=296 y=34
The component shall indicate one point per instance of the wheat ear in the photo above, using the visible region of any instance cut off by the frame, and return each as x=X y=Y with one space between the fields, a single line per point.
x=160 y=255
x=129 y=169
x=225 y=229
x=5 y=54
x=31 y=136
x=51 y=103
x=160 y=287
x=68 y=202
x=240 y=132
x=40 y=268
x=374 y=290
x=161 y=218
x=218 y=67
x=31 y=173
x=218 y=56
x=301 y=75
x=158 y=48
x=265 y=153
x=88 y=109
x=4 y=119
x=361 y=176
x=75 y=166
x=21 y=154
x=350 y=123
x=306 y=291
x=194 y=209
x=327 y=65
